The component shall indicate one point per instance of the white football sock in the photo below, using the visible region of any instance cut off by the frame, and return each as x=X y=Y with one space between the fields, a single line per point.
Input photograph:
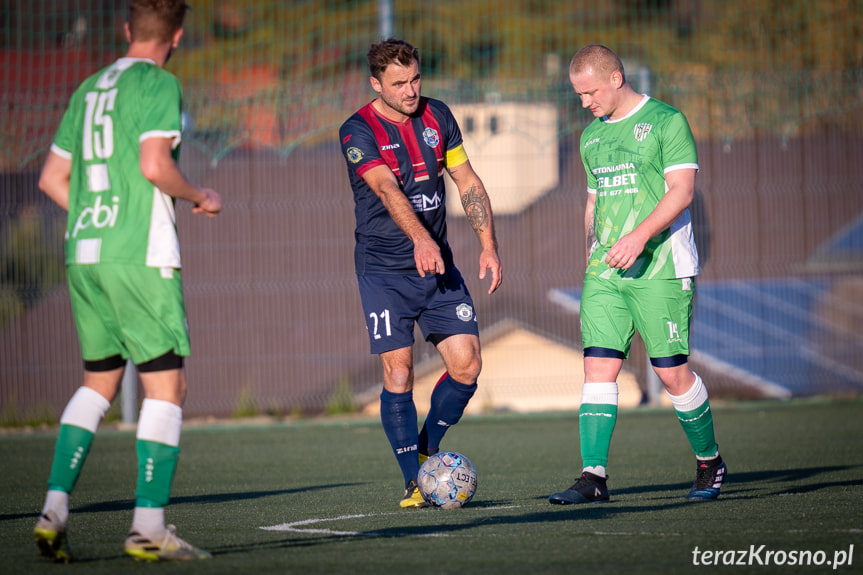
x=58 y=502
x=160 y=421
x=598 y=470
x=86 y=409
x=149 y=521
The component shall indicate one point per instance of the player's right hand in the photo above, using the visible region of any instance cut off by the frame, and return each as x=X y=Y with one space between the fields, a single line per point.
x=211 y=206
x=427 y=258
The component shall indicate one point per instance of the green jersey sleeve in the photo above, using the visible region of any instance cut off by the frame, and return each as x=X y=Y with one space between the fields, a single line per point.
x=161 y=107
x=68 y=132
x=678 y=145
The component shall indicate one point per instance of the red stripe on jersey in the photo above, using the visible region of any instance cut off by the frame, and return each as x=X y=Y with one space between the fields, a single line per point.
x=382 y=138
x=368 y=166
x=409 y=137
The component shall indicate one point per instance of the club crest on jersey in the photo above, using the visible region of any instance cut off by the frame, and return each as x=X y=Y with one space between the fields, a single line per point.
x=464 y=312
x=641 y=130
x=431 y=137
x=354 y=154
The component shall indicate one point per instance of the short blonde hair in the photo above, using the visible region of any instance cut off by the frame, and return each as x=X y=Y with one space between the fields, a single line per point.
x=598 y=58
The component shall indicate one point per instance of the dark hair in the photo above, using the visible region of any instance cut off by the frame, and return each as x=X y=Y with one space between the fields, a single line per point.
x=156 y=19
x=390 y=51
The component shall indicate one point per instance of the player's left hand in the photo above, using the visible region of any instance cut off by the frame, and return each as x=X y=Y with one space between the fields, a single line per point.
x=624 y=252
x=489 y=260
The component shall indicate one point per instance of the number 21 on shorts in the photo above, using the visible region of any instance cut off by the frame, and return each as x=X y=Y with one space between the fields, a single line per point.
x=384 y=318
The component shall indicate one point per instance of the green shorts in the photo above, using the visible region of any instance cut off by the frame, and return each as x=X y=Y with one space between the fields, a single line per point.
x=612 y=309
x=132 y=311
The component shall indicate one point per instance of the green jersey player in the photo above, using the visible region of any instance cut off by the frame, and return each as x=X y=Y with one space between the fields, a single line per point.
x=640 y=160
x=113 y=167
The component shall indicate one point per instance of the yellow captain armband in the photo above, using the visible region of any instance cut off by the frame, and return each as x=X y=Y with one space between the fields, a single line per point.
x=456 y=157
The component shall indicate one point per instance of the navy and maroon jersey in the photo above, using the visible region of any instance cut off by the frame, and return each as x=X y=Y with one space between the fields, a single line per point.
x=416 y=152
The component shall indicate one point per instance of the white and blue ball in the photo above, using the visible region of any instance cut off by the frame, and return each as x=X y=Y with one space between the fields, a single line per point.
x=447 y=480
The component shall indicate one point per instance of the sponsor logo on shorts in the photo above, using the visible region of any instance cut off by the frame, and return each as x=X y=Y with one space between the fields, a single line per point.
x=354 y=154
x=431 y=137
x=464 y=312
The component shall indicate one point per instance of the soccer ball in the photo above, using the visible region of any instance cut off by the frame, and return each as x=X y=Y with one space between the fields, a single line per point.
x=447 y=480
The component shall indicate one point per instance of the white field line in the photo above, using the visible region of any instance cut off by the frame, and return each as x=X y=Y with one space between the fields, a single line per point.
x=295 y=526
x=300 y=526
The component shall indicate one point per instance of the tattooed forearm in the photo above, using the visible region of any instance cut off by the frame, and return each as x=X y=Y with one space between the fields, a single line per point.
x=474 y=207
x=590 y=236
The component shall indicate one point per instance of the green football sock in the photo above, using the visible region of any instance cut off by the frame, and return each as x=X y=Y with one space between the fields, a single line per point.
x=70 y=451
x=596 y=424
x=156 y=465
x=697 y=424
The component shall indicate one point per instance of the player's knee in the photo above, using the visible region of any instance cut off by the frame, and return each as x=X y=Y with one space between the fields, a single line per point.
x=468 y=370
x=677 y=379
x=398 y=379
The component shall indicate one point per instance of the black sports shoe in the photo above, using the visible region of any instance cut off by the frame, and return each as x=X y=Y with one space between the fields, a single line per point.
x=709 y=476
x=588 y=488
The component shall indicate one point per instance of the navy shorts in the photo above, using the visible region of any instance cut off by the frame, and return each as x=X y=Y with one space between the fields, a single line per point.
x=440 y=305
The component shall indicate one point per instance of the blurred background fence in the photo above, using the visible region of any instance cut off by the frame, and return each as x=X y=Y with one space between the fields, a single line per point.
x=773 y=91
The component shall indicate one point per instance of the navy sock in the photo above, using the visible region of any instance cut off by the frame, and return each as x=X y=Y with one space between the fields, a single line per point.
x=448 y=402
x=399 y=418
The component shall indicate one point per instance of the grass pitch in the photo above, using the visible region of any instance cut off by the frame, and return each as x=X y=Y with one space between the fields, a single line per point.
x=322 y=497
